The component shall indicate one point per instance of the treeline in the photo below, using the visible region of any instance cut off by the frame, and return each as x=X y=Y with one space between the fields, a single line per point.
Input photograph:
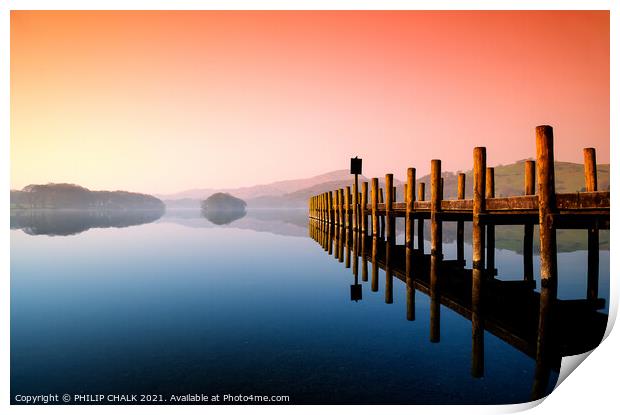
x=70 y=196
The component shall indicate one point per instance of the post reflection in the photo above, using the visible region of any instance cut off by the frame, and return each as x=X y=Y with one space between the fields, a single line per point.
x=521 y=317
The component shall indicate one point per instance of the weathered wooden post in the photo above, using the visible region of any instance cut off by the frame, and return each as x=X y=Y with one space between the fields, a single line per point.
x=364 y=207
x=436 y=247
x=421 y=191
x=341 y=207
x=477 y=328
x=528 y=230
x=547 y=206
x=409 y=192
x=460 y=225
x=490 y=193
x=480 y=158
x=389 y=236
x=589 y=164
x=330 y=206
x=374 y=200
x=389 y=203
x=409 y=200
x=347 y=206
x=382 y=217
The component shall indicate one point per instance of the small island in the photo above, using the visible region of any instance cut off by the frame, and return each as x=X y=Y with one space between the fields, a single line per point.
x=222 y=208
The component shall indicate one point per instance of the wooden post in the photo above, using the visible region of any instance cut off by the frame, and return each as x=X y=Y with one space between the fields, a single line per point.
x=409 y=192
x=478 y=208
x=589 y=164
x=374 y=200
x=460 y=225
x=363 y=208
x=528 y=230
x=347 y=206
x=355 y=204
x=405 y=201
x=343 y=219
x=389 y=236
x=477 y=328
x=547 y=206
x=409 y=200
x=421 y=195
x=381 y=217
x=490 y=193
x=389 y=203
x=330 y=206
x=436 y=248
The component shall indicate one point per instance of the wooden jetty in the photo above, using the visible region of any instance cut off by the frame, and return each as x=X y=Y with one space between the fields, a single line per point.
x=537 y=323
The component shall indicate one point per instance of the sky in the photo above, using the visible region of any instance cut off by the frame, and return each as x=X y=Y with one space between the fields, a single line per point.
x=164 y=101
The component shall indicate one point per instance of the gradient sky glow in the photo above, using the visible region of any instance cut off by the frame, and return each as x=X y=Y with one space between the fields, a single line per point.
x=160 y=102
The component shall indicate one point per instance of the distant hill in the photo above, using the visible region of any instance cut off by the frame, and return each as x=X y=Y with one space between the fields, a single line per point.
x=508 y=182
x=297 y=196
x=278 y=188
x=509 y=179
x=71 y=196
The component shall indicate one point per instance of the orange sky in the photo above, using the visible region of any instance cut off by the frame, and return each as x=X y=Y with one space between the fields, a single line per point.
x=165 y=101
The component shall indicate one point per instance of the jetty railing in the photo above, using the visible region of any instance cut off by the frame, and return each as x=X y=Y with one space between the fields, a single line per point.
x=546 y=208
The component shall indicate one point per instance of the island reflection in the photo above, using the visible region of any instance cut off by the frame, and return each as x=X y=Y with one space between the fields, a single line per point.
x=61 y=222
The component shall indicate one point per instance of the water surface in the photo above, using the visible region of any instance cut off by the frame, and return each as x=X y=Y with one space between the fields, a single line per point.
x=182 y=305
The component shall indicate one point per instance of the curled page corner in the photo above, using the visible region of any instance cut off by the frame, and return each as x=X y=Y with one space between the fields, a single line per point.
x=569 y=364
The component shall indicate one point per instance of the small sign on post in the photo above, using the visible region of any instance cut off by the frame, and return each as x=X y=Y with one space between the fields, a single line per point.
x=356 y=165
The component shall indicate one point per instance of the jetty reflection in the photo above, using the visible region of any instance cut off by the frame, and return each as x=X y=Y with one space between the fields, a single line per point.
x=538 y=324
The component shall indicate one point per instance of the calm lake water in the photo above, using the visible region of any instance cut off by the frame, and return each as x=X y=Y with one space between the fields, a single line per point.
x=255 y=307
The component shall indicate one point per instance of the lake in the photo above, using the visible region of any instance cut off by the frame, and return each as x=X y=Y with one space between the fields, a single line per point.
x=181 y=305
